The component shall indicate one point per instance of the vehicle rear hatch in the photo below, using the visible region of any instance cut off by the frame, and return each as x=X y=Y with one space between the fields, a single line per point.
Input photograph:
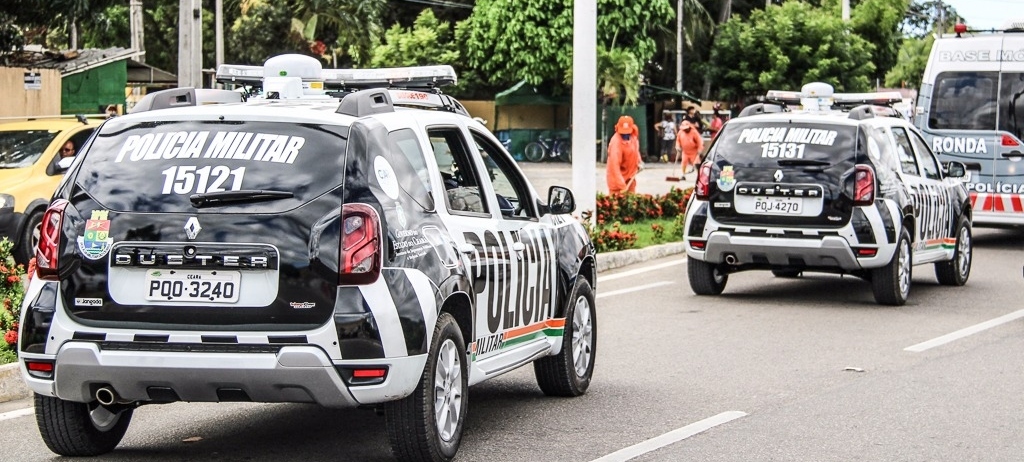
x=783 y=173
x=205 y=225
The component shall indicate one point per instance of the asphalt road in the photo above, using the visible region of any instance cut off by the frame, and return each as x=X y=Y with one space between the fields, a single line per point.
x=793 y=369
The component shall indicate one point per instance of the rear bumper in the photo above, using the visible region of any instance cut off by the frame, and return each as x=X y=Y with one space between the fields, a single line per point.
x=826 y=252
x=295 y=374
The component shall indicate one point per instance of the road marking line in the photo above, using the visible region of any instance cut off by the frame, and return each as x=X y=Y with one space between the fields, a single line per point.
x=15 y=414
x=673 y=436
x=645 y=269
x=938 y=341
x=633 y=289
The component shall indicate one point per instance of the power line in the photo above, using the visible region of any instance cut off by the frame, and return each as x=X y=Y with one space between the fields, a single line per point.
x=443 y=3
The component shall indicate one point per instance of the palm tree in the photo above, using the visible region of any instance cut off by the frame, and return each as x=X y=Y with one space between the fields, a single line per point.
x=356 y=23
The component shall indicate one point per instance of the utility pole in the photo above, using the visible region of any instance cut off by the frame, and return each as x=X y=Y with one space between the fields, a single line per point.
x=219 y=30
x=846 y=10
x=190 y=43
x=584 y=105
x=679 y=46
x=138 y=42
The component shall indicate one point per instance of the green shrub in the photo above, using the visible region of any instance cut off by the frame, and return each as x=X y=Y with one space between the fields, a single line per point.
x=12 y=292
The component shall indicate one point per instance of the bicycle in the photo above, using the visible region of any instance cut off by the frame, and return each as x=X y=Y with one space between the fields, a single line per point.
x=544 y=148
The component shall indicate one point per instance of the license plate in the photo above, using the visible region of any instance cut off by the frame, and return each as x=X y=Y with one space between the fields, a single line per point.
x=777 y=205
x=167 y=285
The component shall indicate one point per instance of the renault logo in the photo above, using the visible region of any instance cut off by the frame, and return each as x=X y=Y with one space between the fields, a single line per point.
x=192 y=227
x=778 y=176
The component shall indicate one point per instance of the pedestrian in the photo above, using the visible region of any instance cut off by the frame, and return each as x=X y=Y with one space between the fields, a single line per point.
x=623 y=157
x=111 y=111
x=667 y=130
x=717 y=121
x=690 y=143
x=695 y=119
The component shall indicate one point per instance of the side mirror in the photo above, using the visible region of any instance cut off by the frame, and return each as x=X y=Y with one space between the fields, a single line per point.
x=560 y=200
x=956 y=169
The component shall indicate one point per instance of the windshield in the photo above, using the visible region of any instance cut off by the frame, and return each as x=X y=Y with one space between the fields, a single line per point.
x=978 y=101
x=756 y=143
x=22 y=148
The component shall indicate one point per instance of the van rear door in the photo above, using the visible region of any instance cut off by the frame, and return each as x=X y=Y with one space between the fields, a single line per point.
x=1003 y=201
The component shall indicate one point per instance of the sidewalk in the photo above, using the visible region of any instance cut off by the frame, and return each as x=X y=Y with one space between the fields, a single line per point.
x=650 y=181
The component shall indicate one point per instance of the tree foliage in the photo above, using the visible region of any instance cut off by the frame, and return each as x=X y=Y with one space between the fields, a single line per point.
x=784 y=47
x=909 y=68
x=429 y=41
x=878 y=22
x=923 y=16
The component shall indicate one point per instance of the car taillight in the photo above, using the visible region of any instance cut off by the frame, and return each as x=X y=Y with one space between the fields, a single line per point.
x=48 y=253
x=1009 y=142
x=701 y=188
x=864 y=186
x=359 y=262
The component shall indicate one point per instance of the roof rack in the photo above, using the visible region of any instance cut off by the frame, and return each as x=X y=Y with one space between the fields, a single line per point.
x=183 y=97
x=419 y=77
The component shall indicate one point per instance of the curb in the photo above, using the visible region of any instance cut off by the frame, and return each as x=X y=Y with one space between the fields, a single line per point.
x=12 y=387
x=612 y=260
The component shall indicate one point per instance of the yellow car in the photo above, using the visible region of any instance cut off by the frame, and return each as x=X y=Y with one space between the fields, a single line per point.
x=30 y=169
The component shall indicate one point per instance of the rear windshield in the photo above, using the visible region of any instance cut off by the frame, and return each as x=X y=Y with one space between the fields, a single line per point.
x=764 y=143
x=978 y=101
x=156 y=167
x=22 y=148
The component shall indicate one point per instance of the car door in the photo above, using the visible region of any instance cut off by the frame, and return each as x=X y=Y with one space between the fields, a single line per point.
x=941 y=211
x=922 y=180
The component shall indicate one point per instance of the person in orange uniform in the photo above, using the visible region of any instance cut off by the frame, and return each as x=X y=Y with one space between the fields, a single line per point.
x=691 y=143
x=623 y=157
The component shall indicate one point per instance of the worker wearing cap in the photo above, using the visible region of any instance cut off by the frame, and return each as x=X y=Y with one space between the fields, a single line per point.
x=623 y=157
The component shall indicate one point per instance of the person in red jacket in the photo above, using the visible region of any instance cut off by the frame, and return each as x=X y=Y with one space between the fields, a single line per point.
x=691 y=143
x=623 y=157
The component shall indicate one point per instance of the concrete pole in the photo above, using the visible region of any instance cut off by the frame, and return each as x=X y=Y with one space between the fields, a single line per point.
x=219 y=30
x=584 y=106
x=190 y=43
x=679 y=45
x=846 y=10
x=138 y=34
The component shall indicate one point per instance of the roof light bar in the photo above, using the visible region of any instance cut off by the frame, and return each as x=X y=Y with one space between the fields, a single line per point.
x=819 y=95
x=401 y=77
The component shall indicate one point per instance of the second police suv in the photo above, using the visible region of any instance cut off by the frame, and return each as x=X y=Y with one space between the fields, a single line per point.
x=346 y=238
x=816 y=181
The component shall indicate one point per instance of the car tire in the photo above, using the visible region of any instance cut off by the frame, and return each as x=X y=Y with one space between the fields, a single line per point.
x=891 y=283
x=786 y=273
x=705 y=278
x=568 y=373
x=28 y=240
x=534 y=152
x=955 y=272
x=412 y=422
x=79 y=429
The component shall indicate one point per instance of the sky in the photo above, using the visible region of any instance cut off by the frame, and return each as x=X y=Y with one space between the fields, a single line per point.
x=988 y=14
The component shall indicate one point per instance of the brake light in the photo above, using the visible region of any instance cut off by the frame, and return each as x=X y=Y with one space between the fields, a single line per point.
x=1009 y=142
x=864 y=186
x=48 y=253
x=702 y=187
x=698 y=245
x=39 y=369
x=359 y=259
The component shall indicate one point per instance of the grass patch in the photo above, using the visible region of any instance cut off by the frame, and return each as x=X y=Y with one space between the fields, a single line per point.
x=646 y=235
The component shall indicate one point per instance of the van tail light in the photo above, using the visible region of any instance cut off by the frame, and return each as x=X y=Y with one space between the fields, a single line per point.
x=864 y=186
x=360 y=255
x=48 y=253
x=702 y=187
x=1009 y=142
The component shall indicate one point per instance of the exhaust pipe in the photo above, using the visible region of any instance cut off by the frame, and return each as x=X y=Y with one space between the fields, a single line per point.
x=730 y=259
x=106 y=396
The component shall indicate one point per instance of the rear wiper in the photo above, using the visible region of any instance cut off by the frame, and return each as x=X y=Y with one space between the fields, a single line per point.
x=799 y=162
x=245 y=195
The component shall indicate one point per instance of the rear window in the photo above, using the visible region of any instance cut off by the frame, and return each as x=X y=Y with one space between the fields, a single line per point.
x=759 y=143
x=22 y=148
x=156 y=167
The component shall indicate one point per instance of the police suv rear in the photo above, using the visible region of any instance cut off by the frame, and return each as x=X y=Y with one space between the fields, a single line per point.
x=839 y=183
x=344 y=237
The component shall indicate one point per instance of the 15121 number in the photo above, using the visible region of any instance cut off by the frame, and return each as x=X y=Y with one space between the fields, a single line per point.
x=187 y=179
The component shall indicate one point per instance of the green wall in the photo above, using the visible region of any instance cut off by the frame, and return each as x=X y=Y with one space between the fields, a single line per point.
x=91 y=91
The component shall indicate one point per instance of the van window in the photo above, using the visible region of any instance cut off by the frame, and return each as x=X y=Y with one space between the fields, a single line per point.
x=964 y=101
x=1011 y=103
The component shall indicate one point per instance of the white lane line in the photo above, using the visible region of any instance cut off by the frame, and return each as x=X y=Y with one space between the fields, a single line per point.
x=15 y=414
x=938 y=341
x=637 y=271
x=673 y=436
x=633 y=289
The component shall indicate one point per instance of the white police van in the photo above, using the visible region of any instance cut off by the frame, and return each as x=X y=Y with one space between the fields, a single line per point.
x=971 y=109
x=343 y=237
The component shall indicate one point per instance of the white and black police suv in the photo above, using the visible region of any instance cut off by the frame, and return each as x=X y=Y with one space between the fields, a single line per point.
x=838 y=183
x=342 y=237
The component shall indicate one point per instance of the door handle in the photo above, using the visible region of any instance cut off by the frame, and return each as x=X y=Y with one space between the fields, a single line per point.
x=466 y=248
x=1013 y=154
x=518 y=248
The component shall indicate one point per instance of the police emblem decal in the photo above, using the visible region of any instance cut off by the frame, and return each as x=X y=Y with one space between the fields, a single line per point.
x=96 y=241
x=192 y=228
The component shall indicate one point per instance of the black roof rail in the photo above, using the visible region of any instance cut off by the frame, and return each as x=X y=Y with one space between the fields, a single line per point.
x=868 y=111
x=365 y=102
x=761 y=108
x=164 y=99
